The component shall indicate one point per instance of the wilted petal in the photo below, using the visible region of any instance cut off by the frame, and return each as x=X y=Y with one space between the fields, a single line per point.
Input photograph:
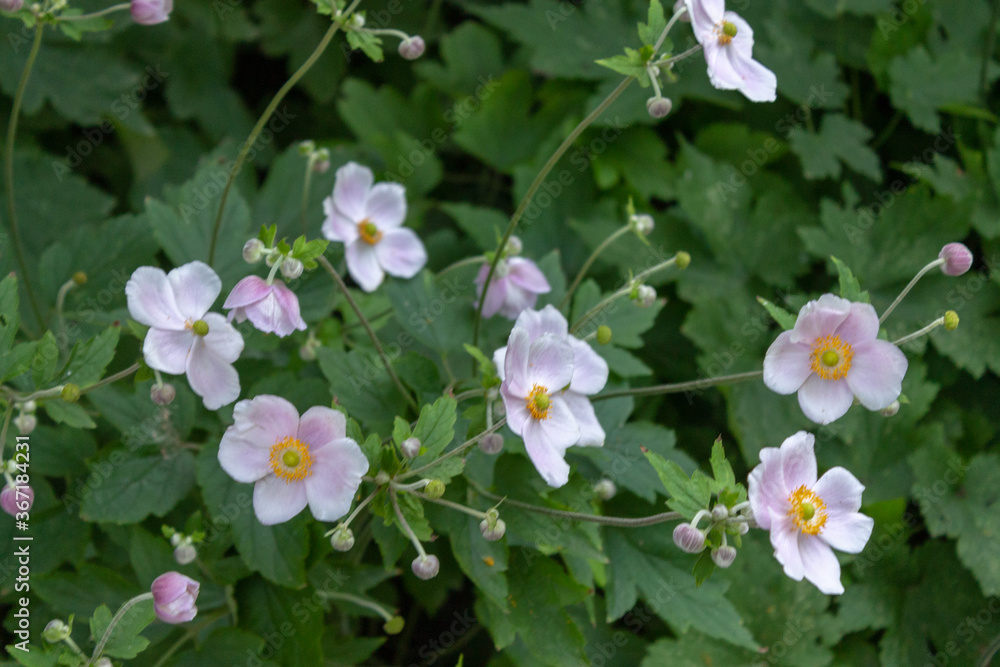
x=401 y=253
x=336 y=475
x=275 y=502
x=386 y=205
x=151 y=299
x=168 y=351
x=819 y=565
x=196 y=286
x=824 y=401
x=362 y=263
x=786 y=364
x=876 y=375
x=351 y=189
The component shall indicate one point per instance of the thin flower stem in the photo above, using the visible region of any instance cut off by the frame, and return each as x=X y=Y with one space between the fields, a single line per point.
x=460 y=263
x=111 y=378
x=458 y=450
x=94 y=15
x=255 y=132
x=274 y=269
x=537 y=183
x=114 y=621
x=371 y=332
x=680 y=386
x=472 y=393
x=454 y=506
x=357 y=510
x=385 y=31
x=310 y=163
x=680 y=56
x=60 y=302
x=76 y=649
x=590 y=261
x=593 y=312
x=15 y=232
x=413 y=486
x=406 y=526
x=917 y=334
x=361 y=602
x=670 y=24
x=906 y=290
x=622 y=522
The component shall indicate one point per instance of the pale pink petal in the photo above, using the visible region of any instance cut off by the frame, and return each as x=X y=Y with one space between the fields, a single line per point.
x=495 y=296
x=546 y=320
x=386 y=205
x=211 y=377
x=241 y=459
x=820 y=318
x=320 y=425
x=275 y=502
x=860 y=326
x=291 y=315
x=704 y=14
x=516 y=301
x=265 y=420
x=336 y=227
x=336 y=475
x=517 y=410
x=590 y=370
x=755 y=81
x=876 y=375
x=786 y=364
x=168 y=351
x=248 y=291
x=848 y=532
x=546 y=441
x=591 y=432
x=223 y=339
x=362 y=263
x=351 y=189
x=785 y=540
x=798 y=461
x=819 y=565
x=516 y=363
x=525 y=274
x=824 y=401
x=550 y=363
x=766 y=492
x=401 y=253
x=196 y=286
x=499 y=359
x=151 y=299
x=839 y=490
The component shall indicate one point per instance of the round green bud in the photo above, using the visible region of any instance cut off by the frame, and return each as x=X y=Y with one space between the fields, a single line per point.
x=394 y=625
x=80 y=278
x=434 y=489
x=70 y=393
x=603 y=334
x=951 y=320
x=683 y=259
x=200 y=327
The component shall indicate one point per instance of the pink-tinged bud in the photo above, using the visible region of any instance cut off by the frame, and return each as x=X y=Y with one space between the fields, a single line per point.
x=957 y=259
x=689 y=539
x=151 y=12
x=491 y=444
x=426 y=567
x=291 y=268
x=162 y=394
x=25 y=423
x=185 y=553
x=412 y=48
x=11 y=5
x=646 y=296
x=14 y=499
x=659 y=107
x=410 y=447
x=605 y=489
x=321 y=166
x=720 y=512
x=643 y=223
x=495 y=532
x=253 y=250
x=724 y=556
x=174 y=597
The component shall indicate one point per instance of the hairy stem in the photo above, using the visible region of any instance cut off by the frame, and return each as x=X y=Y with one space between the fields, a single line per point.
x=458 y=450
x=619 y=521
x=680 y=387
x=590 y=260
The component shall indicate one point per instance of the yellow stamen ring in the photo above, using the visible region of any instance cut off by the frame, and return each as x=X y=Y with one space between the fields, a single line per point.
x=369 y=233
x=538 y=402
x=291 y=460
x=808 y=511
x=831 y=357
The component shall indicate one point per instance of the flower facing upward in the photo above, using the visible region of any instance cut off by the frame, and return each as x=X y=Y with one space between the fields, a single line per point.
x=831 y=356
x=368 y=219
x=270 y=308
x=516 y=284
x=183 y=336
x=294 y=461
x=151 y=12
x=174 y=597
x=728 y=43
x=808 y=518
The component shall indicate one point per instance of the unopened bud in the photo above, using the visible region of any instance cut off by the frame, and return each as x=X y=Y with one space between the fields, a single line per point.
x=643 y=223
x=724 y=556
x=951 y=320
x=494 y=532
x=253 y=250
x=434 y=489
x=659 y=107
x=720 y=512
x=957 y=259
x=603 y=334
x=162 y=394
x=425 y=567
x=103 y=661
x=682 y=260
x=358 y=20
x=55 y=631
x=890 y=410
x=514 y=246
x=394 y=625
x=491 y=443
x=80 y=278
x=11 y=5
x=342 y=539
x=307 y=147
x=25 y=423
x=412 y=48
x=185 y=553
x=645 y=296
x=28 y=406
x=689 y=539
x=382 y=478
x=605 y=489
x=16 y=499
x=291 y=268
x=410 y=448
x=743 y=528
x=70 y=393
x=322 y=163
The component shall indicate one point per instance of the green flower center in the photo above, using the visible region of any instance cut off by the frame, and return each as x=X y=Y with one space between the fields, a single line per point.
x=200 y=327
x=831 y=358
x=291 y=458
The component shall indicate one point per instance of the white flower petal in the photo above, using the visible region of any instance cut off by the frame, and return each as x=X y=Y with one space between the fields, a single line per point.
x=785 y=540
x=336 y=227
x=590 y=370
x=211 y=377
x=362 y=263
x=786 y=364
x=336 y=476
x=591 y=432
x=242 y=460
x=798 y=461
x=550 y=363
x=848 y=532
x=196 y=287
x=824 y=401
x=223 y=339
x=151 y=299
x=839 y=490
x=168 y=351
x=819 y=565
x=401 y=253
x=876 y=374
x=275 y=502
x=386 y=205
x=351 y=189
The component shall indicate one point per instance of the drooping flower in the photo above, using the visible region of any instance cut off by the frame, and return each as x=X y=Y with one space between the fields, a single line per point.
x=174 y=597
x=957 y=259
x=183 y=336
x=728 y=43
x=151 y=12
x=368 y=219
x=808 y=518
x=831 y=356
x=270 y=308
x=516 y=284
x=293 y=461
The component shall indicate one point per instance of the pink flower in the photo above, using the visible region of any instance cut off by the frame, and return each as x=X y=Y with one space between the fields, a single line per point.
x=270 y=308
x=807 y=518
x=516 y=284
x=174 y=597
x=151 y=12
x=293 y=461
x=368 y=220
x=16 y=499
x=728 y=43
x=183 y=336
x=561 y=372
x=832 y=356
x=11 y=5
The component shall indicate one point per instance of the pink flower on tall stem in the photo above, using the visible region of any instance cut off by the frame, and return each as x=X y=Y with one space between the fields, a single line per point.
x=831 y=356
x=368 y=219
x=293 y=461
x=515 y=287
x=270 y=308
x=808 y=518
x=174 y=597
x=151 y=12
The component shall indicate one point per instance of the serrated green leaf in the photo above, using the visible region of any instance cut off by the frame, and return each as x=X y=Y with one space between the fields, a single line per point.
x=687 y=496
x=721 y=468
x=125 y=640
x=88 y=359
x=71 y=414
x=850 y=288
x=784 y=318
x=9 y=316
x=369 y=44
x=655 y=24
x=126 y=488
x=45 y=361
x=435 y=429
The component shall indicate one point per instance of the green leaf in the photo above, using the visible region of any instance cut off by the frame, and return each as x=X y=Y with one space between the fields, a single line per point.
x=71 y=414
x=722 y=471
x=360 y=383
x=630 y=64
x=425 y=308
x=33 y=657
x=784 y=318
x=270 y=611
x=485 y=563
x=687 y=495
x=840 y=139
x=650 y=31
x=17 y=360
x=125 y=640
x=88 y=359
x=435 y=429
x=45 y=361
x=125 y=488
x=225 y=646
x=9 y=317
x=920 y=86
x=850 y=288
x=370 y=44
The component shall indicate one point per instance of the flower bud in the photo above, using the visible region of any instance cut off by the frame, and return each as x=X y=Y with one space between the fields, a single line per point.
x=55 y=631
x=425 y=567
x=951 y=320
x=434 y=489
x=658 y=107
x=643 y=223
x=150 y=12
x=322 y=163
x=957 y=259
x=491 y=443
x=724 y=556
x=174 y=597
x=307 y=147
x=689 y=539
x=743 y=528
x=291 y=268
x=493 y=533
x=891 y=410
x=162 y=394
x=382 y=478
x=603 y=334
x=80 y=278
x=342 y=539
x=412 y=48
x=103 y=662
x=14 y=499
x=28 y=406
x=645 y=296
x=605 y=489
x=410 y=448
x=394 y=625
x=358 y=20
x=514 y=246
x=253 y=250
x=682 y=260
x=185 y=553
x=25 y=423
x=70 y=393
x=720 y=512
x=11 y=5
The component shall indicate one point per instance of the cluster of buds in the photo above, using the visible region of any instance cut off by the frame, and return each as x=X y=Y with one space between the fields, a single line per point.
x=723 y=520
x=319 y=158
x=184 y=549
x=643 y=295
x=25 y=421
x=641 y=223
x=492 y=527
x=254 y=250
